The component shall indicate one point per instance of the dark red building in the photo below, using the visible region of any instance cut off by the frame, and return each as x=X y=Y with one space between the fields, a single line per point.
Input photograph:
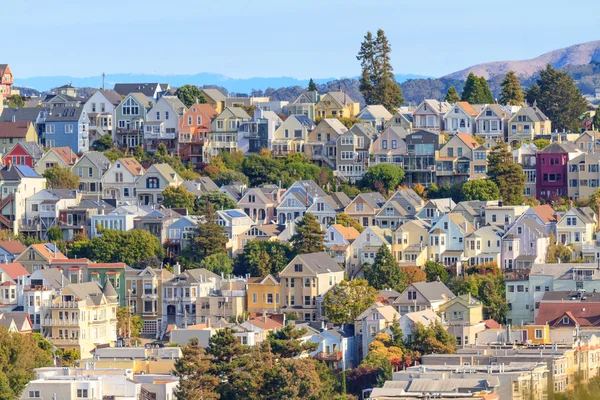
x=551 y=169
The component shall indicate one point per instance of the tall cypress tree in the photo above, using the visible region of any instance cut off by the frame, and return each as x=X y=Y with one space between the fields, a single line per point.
x=486 y=94
x=512 y=92
x=309 y=237
x=452 y=95
x=477 y=91
x=377 y=82
x=312 y=86
x=507 y=175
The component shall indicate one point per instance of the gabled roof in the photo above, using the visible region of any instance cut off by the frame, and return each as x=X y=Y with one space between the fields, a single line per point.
x=468 y=140
x=49 y=251
x=304 y=120
x=65 y=154
x=439 y=107
x=335 y=124
x=374 y=199
x=14 y=129
x=388 y=312
x=132 y=165
x=13 y=246
x=433 y=291
x=14 y=270
x=377 y=112
x=112 y=96
x=341 y=98
x=206 y=109
x=497 y=109
x=320 y=263
x=545 y=213
x=337 y=200
x=175 y=104
x=349 y=233
x=214 y=94
x=238 y=112
x=97 y=158
x=467 y=108
x=533 y=113
x=17 y=172
x=35 y=150
x=148 y=89
x=557 y=148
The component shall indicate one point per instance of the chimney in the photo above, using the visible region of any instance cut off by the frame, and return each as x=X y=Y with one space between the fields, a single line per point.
x=14 y=118
x=177 y=269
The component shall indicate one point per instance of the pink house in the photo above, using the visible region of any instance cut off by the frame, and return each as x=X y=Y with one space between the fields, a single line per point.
x=551 y=169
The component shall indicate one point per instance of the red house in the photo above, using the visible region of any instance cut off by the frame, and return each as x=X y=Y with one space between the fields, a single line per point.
x=194 y=126
x=551 y=166
x=6 y=81
x=24 y=153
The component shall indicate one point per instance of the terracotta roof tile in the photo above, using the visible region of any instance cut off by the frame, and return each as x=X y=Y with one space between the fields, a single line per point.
x=46 y=253
x=349 y=233
x=265 y=323
x=468 y=140
x=14 y=270
x=13 y=246
x=132 y=165
x=68 y=155
x=545 y=212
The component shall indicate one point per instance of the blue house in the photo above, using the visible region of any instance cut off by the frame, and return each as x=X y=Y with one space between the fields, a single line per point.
x=67 y=126
x=178 y=234
x=337 y=347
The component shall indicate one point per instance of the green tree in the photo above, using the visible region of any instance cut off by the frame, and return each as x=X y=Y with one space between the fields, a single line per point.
x=190 y=95
x=312 y=86
x=218 y=199
x=117 y=246
x=512 y=92
x=596 y=120
x=385 y=272
x=476 y=90
x=262 y=170
x=61 y=178
x=377 y=83
x=560 y=99
x=219 y=263
x=452 y=96
x=15 y=101
x=558 y=251
x=432 y=339
x=480 y=189
x=224 y=346
x=178 y=197
x=434 y=271
x=506 y=174
x=541 y=143
x=532 y=94
x=262 y=257
x=209 y=238
x=287 y=342
x=54 y=234
x=228 y=177
x=347 y=300
x=344 y=219
x=104 y=143
x=195 y=372
x=308 y=236
x=126 y=321
x=383 y=177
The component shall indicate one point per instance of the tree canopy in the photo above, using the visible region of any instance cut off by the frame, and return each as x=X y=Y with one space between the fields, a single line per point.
x=208 y=238
x=480 y=189
x=178 y=197
x=345 y=220
x=308 y=236
x=104 y=143
x=219 y=263
x=190 y=95
x=61 y=178
x=385 y=273
x=434 y=271
x=383 y=177
x=347 y=300
x=218 y=199
x=452 y=96
x=262 y=257
x=506 y=174
x=312 y=86
x=512 y=92
x=476 y=90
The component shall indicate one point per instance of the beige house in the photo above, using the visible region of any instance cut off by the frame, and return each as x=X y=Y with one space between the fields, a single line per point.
x=82 y=317
x=463 y=316
x=320 y=143
x=576 y=227
x=215 y=98
x=155 y=180
x=492 y=122
x=337 y=104
x=292 y=134
x=409 y=246
x=90 y=168
x=484 y=245
x=227 y=302
x=305 y=280
x=143 y=291
x=527 y=123
x=364 y=207
x=39 y=256
x=456 y=160
x=377 y=318
x=429 y=115
x=389 y=147
x=588 y=141
x=583 y=175
x=264 y=294
x=419 y=296
x=120 y=179
x=61 y=156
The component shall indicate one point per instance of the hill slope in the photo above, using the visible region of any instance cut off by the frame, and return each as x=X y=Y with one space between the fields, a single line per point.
x=579 y=54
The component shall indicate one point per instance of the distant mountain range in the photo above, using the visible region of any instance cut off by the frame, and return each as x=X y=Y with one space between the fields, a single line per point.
x=46 y=83
x=579 y=54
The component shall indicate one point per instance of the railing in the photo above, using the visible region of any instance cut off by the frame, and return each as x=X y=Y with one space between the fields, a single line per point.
x=224 y=144
x=36 y=288
x=73 y=224
x=331 y=356
x=63 y=304
x=583 y=277
x=61 y=322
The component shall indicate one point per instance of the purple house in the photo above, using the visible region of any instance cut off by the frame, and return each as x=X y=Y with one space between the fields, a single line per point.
x=551 y=169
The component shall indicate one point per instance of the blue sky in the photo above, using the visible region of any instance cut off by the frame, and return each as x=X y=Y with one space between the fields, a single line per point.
x=269 y=38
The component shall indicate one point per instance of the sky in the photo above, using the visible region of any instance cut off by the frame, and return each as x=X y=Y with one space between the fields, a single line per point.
x=272 y=38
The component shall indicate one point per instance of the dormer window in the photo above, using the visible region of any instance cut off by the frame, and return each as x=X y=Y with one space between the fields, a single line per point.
x=566 y=320
x=488 y=113
x=455 y=110
x=297 y=267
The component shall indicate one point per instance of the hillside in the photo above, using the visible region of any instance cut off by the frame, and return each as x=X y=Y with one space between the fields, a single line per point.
x=579 y=54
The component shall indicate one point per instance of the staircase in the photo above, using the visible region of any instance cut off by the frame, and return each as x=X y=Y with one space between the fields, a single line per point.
x=6 y=201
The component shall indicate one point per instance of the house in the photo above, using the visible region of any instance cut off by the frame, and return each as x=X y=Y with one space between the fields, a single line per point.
x=162 y=124
x=460 y=117
x=409 y=321
x=244 y=101
x=12 y=133
x=525 y=156
x=447 y=238
x=121 y=218
x=336 y=104
x=409 y=245
x=155 y=180
x=429 y=115
x=297 y=199
x=16 y=322
x=583 y=175
x=18 y=183
x=455 y=163
x=24 y=153
x=338 y=239
x=259 y=205
x=306 y=278
x=90 y=169
x=235 y=190
x=268 y=232
x=194 y=126
x=64 y=96
x=119 y=181
x=178 y=235
x=524 y=243
x=81 y=317
x=274 y=106
x=364 y=207
x=64 y=157
x=327 y=207
x=376 y=115
x=365 y=248
x=10 y=249
x=261 y=326
x=502 y=215
x=419 y=159
x=551 y=165
x=492 y=122
x=571 y=309
x=9 y=277
x=100 y=108
x=401 y=206
x=129 y=118
x=38 y=289
x=292 y=135
x=214 y=98
x=527 y=123
x=42 y=210
x=484 y=245
x=224 y=128
x=320 y=145
x=258 y=133
x=463 y=316
x=352 y=151
x=6 y=81
x=586 y=142
x=264 y=294
x=435 y=208
x=74 y=220
x=377 y=318
x=304 y=104
x=403 y=118
x=144 y=289
x=150 y=90
x=67 y=127
x=226 y=302
x=419 y=296
x=390 y=147
x=336 y=347
x=235 y=222
x=156 y=222
x=576 y=227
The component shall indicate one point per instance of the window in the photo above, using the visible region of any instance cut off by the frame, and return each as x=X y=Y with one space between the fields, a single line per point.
x=270 y=298
x=292 y=300
x=459 y=152
x=565 y=320
x=130 y=107
x=306 y=282
x=219 y=124
x=152 y=183
x=297 y=267
x=158 y=115
x=82 y=393
x=198 y=120
x=69 y=128
x=384 y=144
x=360 y=206
x=189 y=120
x=49 y=128
x=166 y=115
x=34 y=394
x=412 y=295
x=307 y=300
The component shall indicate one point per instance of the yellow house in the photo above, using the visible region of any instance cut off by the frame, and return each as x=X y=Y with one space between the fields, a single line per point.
x=264 y=294
x=463 y=309
x=12 y=133
x=82 y=317
x=536 y=334
x=409 y=246
x=337 y=105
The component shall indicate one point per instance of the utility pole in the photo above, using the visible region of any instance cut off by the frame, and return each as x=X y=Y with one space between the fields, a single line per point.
x=129 y=318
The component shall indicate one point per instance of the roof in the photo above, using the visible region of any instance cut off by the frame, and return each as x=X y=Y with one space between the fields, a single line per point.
x=337 y=200
x=175 y=104
x=112 y=96
x=108 y=290
x=13 y=246
x=557 y=148
x=165 y=170
x=551 y=313
x=132 y=165
x=35 y=150
x=14 y=129
x=545 y=212
x=491 y=324
x=66 y=154
x=54 y=277
x=388 y=312
x=238 y=112
x=265 y=323
x=335 y=124
x=148 y=89
x=468 y=140
x=206 y=109
x=378 y=112
x=425 y=317
x=20 y=319
x=467 y=107
x=98 y=159
x=14 y=270
x=374 y=200
x=434 y=291
x=26 y=114
x=533 y=113
x=60 y=114
x=48 y=251
x=214 y=94
x=349 y=233
x=320 y=262
x=341 y=97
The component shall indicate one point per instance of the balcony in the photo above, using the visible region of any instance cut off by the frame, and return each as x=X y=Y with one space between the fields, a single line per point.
x=331 y=356
x=36 y=288
x=224 y=145
x=61 y=341
x=129 y=131
x=61 y=322
x=63 y=304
